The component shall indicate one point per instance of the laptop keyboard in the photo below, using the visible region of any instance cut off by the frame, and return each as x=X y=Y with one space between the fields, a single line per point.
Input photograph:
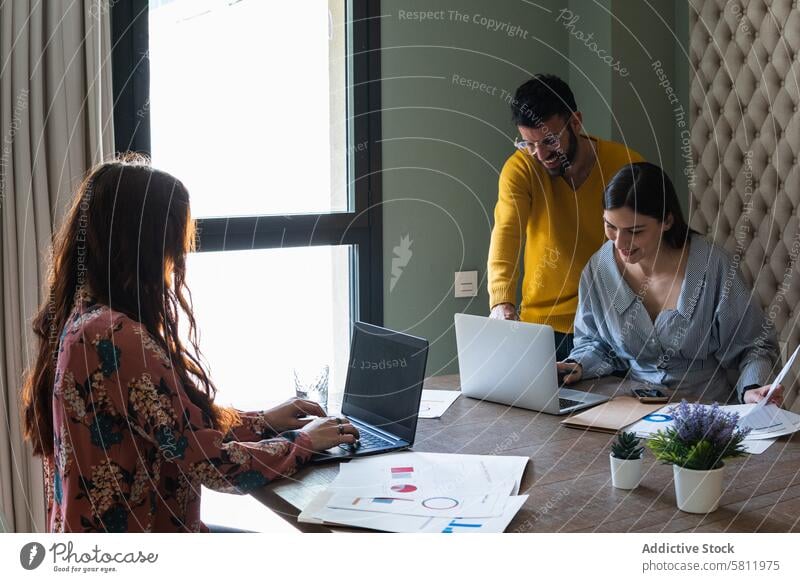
x=567 y=403
x=369 y=441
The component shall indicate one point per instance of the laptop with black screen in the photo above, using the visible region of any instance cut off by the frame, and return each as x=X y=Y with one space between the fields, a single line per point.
x=382 y=392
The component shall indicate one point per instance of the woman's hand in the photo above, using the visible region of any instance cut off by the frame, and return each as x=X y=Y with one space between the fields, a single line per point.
x=330 y=432
x=569 y=372
x=755 y=395
x=289 y=415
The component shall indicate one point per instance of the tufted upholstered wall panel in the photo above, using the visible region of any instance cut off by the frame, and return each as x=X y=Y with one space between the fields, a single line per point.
x=745 y=138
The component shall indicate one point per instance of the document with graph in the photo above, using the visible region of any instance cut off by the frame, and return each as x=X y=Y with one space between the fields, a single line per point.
x=423 y=492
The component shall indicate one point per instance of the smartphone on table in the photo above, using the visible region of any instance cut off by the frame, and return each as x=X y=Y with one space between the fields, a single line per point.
x=650 y=395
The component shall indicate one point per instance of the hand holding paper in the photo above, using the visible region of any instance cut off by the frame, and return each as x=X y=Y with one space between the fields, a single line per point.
x=779 y=379
x=765 y=395
x=765 y=416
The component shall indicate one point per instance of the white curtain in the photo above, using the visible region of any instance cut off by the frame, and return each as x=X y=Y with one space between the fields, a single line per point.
x=55 y=123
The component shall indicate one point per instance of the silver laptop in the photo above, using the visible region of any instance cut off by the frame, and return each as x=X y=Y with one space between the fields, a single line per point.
x=514 y=363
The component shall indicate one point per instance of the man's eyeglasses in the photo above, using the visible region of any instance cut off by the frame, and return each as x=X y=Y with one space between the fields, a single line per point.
x=551 y=142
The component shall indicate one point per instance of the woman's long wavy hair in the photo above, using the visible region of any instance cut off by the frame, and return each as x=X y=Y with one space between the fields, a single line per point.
x=125 y=236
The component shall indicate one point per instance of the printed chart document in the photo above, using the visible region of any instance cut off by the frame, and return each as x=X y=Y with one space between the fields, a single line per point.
x=430 y=504
x=318 y=513
x=776 y=422
x=423 y=492
x=754 y=444
x=440 y=470
x=435 y=403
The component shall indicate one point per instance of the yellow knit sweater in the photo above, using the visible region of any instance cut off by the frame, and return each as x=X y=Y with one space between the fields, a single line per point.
x=563 y=229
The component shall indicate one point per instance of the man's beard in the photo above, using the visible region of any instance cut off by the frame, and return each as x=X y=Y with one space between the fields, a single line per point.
x=566 y=158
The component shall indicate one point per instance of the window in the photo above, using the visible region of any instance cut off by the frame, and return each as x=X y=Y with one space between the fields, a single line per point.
x=268 y=113
x=258 y=327
x=270 y=89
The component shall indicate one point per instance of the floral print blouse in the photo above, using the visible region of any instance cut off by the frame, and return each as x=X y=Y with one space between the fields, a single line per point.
x=130 y=449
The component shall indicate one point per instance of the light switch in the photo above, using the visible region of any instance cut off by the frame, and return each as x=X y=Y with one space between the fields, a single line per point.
x=466 y=284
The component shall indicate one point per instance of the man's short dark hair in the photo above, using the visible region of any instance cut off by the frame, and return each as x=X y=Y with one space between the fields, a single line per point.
x=540 y=99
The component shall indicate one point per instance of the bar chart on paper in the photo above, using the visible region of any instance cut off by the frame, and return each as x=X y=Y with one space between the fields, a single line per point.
x=379 y=500
x=402 y=472
x=471 y=506
x=455 y=524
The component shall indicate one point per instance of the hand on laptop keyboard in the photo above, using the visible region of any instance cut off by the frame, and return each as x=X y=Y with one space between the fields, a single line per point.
x=369 y=441
x=328 y=432
x=354 y=446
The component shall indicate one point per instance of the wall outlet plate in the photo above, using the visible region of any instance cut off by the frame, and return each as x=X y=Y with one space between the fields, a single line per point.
x=466 y=284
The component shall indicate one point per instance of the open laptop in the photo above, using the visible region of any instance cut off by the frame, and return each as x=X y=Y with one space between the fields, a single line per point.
x=514 y=363
x=382 y=392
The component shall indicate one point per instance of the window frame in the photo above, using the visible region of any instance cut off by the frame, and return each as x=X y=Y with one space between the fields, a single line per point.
x=361 y=227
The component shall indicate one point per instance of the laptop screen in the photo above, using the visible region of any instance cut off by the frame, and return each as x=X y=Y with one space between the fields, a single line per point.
x=384 y=379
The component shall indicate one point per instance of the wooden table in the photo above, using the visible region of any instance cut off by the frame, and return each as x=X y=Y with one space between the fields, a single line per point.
x=568 y=479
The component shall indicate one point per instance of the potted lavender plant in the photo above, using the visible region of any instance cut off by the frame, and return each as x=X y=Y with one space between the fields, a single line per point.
x=696 y=446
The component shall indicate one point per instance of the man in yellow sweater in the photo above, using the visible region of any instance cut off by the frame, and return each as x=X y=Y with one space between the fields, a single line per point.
x=550 y=193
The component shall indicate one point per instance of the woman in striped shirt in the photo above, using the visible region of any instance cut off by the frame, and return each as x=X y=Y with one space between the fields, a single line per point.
x=667 y=306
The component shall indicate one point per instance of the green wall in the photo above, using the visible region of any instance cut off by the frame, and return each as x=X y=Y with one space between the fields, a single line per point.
x=590 y=79
x=446 y=82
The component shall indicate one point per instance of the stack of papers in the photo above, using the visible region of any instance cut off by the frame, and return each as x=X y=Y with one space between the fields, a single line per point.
x=411 y=492
x=758 y=441
x=765 y=421
x=768 y=420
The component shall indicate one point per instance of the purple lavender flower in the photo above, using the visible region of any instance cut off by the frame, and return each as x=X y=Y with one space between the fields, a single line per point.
x=701 y=437
x=698 y=422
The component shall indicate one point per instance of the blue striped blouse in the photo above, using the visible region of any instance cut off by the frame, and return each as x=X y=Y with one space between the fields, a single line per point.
x=717 y=327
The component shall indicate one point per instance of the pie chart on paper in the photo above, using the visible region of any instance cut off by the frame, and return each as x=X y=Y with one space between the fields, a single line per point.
x=404 y=488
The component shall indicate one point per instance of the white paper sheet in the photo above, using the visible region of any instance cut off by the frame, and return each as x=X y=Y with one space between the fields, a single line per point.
x=443 y=471
x=241 y=512
x=318 y=513
x=782 y=422
x=757 y=446
x=435 y=403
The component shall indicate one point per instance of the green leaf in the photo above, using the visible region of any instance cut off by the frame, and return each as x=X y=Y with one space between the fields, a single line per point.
x=627 y=446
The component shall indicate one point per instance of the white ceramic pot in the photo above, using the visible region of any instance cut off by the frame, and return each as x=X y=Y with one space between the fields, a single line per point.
x=625 y=473
x=697 y=491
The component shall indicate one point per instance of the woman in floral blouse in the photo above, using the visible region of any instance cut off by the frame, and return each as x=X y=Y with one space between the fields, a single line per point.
x=122 y=412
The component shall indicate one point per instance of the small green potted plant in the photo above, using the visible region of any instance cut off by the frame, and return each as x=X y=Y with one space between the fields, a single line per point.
x=696 y=446
x=626 y=461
